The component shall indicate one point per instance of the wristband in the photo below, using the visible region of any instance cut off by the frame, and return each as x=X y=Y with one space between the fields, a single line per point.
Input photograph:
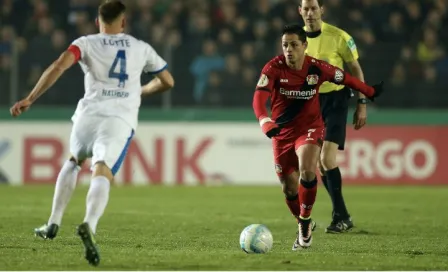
x=265 y=120
x=362 y=101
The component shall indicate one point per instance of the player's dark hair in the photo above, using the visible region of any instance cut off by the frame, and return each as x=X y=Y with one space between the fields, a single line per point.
x=111 y=10
x=295 y=29
x=319 y=2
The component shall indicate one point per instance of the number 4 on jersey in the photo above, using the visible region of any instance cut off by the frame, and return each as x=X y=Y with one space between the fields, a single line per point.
x=120 y=60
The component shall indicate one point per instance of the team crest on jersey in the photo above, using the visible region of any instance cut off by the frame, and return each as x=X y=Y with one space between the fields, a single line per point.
x=263 y=81
x=338 y=76
x=312 y=79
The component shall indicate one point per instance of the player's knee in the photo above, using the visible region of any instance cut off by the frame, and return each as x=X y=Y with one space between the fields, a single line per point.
x=101 y=169
x=307 y=168
x=290 y=185
x=78 y=162
x=307 y=175
x=328 y=161
x=289 y=190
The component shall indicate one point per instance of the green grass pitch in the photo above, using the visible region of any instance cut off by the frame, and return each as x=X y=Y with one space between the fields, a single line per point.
x=198 y=228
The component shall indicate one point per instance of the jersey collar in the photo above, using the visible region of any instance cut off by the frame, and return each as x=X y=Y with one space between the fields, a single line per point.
x=316 y=34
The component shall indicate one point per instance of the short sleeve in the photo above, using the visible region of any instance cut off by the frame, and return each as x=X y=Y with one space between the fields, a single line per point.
x=154 y=63
x=267 y=78
x=83 y=45
x=347 y=48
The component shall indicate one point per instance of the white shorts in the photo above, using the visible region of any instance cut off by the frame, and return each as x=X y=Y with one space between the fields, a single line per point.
x=104 y=139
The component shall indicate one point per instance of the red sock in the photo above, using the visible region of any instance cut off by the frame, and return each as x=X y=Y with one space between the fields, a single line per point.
x=294 y=205
x=307 y=196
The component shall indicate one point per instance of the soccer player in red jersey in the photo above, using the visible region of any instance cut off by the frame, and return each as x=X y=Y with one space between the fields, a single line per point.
x=296 y=127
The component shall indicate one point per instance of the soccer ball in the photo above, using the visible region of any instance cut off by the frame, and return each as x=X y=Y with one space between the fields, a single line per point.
x=256 y=238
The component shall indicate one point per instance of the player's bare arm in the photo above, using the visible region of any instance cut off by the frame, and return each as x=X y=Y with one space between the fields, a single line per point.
x=48 y=78
x=162 y=82
x=355 y=69
x=360 y=115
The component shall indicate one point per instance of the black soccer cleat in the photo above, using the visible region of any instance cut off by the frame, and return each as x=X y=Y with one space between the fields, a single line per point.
x=47 y=232
x=340 y=226
x=92 y=252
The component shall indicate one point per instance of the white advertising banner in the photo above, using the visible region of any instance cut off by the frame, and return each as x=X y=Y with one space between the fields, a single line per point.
x=168 y=153
x=224 y=153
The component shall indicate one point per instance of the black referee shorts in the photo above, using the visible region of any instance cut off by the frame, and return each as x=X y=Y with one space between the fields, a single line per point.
x=334 y=108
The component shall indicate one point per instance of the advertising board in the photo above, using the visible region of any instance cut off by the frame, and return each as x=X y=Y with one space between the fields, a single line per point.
x=224 y=153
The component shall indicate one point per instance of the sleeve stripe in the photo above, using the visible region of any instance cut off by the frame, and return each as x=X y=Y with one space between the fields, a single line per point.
x=158 y=71
x=76 y=51
x=264 y=89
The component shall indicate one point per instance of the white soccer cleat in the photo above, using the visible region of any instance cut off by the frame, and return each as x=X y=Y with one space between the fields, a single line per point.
x=304 y=234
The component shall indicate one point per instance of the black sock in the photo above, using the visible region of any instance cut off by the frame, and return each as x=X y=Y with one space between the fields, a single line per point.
x=325 y=182
x=334 y=181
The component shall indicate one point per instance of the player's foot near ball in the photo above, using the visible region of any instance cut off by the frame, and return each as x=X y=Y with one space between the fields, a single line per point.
x=47 y=231
x=91 y=248
x=340 y=226
x=304 y=234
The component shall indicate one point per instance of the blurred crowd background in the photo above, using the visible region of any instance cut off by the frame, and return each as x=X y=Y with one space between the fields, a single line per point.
x=216 y=48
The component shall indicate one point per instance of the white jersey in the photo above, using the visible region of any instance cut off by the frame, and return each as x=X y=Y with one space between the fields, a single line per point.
x=112 y=65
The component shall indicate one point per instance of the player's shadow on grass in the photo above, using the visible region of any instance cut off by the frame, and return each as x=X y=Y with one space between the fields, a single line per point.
x=361 y=232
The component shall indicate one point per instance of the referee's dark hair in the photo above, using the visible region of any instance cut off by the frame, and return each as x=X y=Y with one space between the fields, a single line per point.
x=295 y=29
x=319 y=2
x=111 y=10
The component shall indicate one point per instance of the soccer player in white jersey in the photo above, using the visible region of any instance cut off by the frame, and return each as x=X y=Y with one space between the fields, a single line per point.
x=105 y=118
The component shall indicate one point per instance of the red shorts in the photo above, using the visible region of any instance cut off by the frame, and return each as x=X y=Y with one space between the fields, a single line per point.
x=285 y=157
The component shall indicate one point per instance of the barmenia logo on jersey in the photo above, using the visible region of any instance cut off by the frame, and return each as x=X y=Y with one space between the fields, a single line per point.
x=298 y=94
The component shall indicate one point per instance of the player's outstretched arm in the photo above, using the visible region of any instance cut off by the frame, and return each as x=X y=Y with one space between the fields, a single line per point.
x=338 y=76
x=48 y=78
x=162 y=82
x=52 y=74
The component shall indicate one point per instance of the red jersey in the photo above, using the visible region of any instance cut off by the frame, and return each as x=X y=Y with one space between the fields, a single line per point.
x=295 y=93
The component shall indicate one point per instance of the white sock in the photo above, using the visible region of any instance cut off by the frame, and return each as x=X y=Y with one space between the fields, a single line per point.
x=65 y=185
x=96 y=201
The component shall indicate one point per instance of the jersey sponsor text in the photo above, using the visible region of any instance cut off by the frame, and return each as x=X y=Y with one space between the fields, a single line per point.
x=298 y=94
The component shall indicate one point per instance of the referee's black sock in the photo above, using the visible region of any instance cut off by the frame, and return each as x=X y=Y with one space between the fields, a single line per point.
x=325 y=182
x=334 y=183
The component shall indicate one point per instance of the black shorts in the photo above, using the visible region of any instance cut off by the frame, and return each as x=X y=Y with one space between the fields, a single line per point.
x=334 y=108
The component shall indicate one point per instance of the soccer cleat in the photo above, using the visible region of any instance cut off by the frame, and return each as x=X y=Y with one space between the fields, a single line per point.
x=92 y=252
x=340 y=226
x=304 y=234
x=47 y=232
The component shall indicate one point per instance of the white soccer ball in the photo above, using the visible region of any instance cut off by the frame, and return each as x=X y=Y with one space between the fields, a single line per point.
x=256 y=238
